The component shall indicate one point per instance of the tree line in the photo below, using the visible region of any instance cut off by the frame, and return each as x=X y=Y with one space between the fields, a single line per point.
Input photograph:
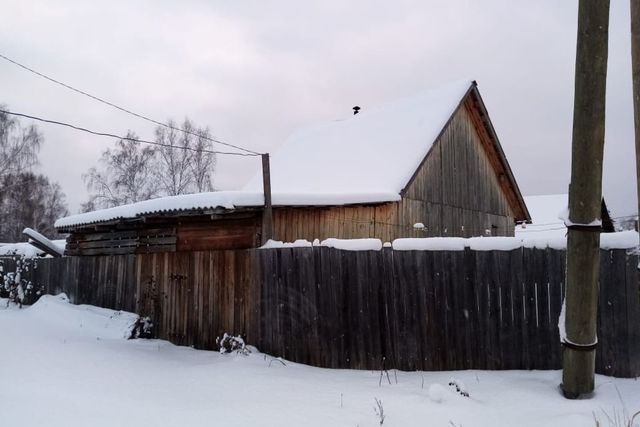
x=27 y=198
x=181 y=163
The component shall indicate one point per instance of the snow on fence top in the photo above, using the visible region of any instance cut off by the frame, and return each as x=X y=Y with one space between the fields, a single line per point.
x=620 y=240
x=377 y=150
x=220 y=199
x=27 y=250
x=21 y=248
x=44 y=244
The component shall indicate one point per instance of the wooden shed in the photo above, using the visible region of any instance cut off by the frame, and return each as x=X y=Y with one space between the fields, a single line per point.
x=428 y=165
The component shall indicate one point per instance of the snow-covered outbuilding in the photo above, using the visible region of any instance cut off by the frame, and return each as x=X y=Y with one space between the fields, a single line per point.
x=546 y=211
x=427 y=165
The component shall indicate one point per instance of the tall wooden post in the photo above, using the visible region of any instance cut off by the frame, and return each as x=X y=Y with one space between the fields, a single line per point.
x=267 y=215
x=635 y=70
x=585 y=198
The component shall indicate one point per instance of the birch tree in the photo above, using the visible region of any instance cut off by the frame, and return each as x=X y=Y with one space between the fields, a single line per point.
x=174 y=158
x=185 y=162
x=204 y=163
x=19 y=146
x=125 y=174
x=29 y=200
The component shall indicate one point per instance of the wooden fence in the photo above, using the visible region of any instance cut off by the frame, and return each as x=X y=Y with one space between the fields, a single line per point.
x=427 y=310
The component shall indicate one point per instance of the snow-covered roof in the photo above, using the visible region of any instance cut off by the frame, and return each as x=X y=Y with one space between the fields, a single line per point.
x=26 y=249
x=377 y=150
x=367 y=158
x=545 y=216
x=43 y=243
x=218 y=199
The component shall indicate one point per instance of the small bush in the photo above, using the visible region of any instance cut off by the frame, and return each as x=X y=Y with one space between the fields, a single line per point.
x=143 y=328
x=15 y=288
x=230 y=344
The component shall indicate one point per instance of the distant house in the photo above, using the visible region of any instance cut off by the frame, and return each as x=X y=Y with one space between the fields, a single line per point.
x=545 y=217
x=428 y=165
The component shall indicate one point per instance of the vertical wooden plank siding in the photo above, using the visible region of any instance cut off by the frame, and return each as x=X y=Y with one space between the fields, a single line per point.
x=431 y=310
x=457 y=191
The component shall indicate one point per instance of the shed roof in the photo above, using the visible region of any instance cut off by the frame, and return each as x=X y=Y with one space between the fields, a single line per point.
x=366 y=158
x=218 y=199
x=377 y=150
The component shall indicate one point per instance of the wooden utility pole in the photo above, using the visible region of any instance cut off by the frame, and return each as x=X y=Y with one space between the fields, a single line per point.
x=635 y=69
x=267 y=215
x=585 y=198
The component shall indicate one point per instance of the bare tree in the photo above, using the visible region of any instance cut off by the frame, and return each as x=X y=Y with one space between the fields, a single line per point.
x=185 y=161
x=175 y=157
x=126 y=175
x=19 y=146
x=203 y=163
x=29 y=200
x=55 y=206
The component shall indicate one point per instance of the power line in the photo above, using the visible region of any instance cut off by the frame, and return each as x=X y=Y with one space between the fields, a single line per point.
x=140 y=116
x=561 y=224
x=126 y=138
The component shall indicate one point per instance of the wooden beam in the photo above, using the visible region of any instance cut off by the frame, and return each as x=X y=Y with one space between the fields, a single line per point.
x=585 y=199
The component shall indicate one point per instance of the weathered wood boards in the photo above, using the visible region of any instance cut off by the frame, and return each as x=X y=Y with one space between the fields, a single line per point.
x=173 y=234
x=462 y=187
x=430 y=310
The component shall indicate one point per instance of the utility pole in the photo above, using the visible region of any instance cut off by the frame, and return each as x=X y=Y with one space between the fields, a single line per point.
x=585 y=198
x=635 y=70
x=267 y=215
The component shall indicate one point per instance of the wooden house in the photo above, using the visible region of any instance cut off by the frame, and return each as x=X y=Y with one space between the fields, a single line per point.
x=428 y=165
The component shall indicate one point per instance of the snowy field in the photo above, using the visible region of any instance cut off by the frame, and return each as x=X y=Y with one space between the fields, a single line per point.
x=66 y=365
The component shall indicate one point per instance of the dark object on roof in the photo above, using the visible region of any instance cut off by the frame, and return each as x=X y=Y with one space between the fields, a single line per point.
x=607 y=222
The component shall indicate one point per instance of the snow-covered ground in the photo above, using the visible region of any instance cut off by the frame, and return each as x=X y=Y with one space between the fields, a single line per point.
x=66 y=365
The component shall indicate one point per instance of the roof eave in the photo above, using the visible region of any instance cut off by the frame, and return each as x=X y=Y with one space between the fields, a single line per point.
x=526 y=216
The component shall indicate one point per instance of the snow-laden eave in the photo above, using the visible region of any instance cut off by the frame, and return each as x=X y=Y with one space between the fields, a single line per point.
x=42 y=243
x=222 y=202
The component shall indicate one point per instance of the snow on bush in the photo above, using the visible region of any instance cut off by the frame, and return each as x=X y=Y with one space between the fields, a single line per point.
x=14 y=287
x=229 y=344
x=142 y=328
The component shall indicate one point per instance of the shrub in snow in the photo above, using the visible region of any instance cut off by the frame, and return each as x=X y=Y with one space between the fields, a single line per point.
x=617 y=418
x=143 y=328
x=14 y=287
x=229 y=344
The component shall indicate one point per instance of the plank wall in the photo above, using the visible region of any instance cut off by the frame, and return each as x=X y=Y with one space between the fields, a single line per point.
x=425 y=310
x=455 y=192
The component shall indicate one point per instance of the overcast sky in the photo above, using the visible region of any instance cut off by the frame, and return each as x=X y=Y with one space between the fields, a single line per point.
x=254 y=71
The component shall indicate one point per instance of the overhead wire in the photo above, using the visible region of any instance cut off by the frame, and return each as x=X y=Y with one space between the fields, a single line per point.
x=126 y=138
x=156 y=122
x=125 y=110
